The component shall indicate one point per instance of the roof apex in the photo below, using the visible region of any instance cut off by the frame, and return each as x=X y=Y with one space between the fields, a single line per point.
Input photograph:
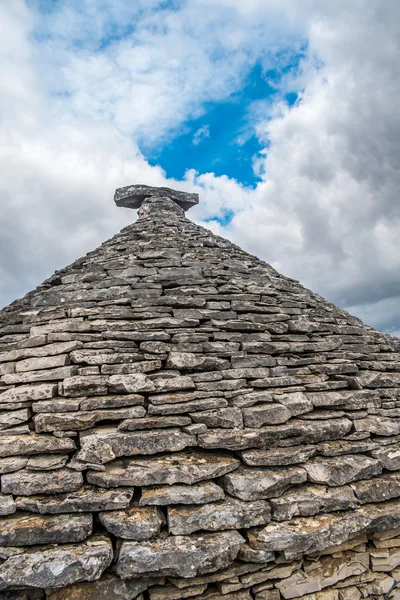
x=132 y=196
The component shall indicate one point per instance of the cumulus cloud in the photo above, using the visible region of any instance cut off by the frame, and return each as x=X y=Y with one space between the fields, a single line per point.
x=86 y=85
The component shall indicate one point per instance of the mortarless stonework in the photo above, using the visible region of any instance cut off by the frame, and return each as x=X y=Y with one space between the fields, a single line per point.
x=178 y=420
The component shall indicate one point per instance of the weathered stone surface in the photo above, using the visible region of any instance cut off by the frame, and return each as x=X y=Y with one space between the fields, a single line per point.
x=336 y=471
x=164 y=470
x=30 y=530
x=199 y=493
x=230 y=439
x=297 y=403
x=388 y=456
x=255 y=484
x=58 y=374
x=40 y=350
x=14 y=417
x=7 y=505
x=278 y=457
x=88 y=385
x=47 y=462
x=108 y=587
x=25 y=445
x=195 y=362
x=378 y=489
x=229 y=417
x=313 y=534
x=12 y=463
x=312 y=500
x=218 y=516
x=28 y=393
x=170 y=592
x=174 y=383
x=154 y=423
x=47 y=362
x=350 y=399
x=124 y=443
x=378 y=425
x=130 y=384
x=188 y=407
x=86 y=499
x=57 y=566
x=133 y=523
x=105 y=402
x=29 y=483
x=245 y=400
x=257 y=416
x=179 y=556
x=81 y=420
x=330 y=572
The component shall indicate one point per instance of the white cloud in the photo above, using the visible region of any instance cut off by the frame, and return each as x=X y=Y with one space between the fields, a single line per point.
x=75 y=105
x=202 y=134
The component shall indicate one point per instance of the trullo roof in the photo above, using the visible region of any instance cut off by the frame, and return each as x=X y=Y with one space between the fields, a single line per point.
x=179 y=420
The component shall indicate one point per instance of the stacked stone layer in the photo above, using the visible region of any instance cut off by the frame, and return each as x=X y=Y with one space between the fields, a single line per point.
x=178 y=420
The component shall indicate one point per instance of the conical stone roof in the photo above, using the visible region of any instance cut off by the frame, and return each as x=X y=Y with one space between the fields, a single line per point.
x=178 y=419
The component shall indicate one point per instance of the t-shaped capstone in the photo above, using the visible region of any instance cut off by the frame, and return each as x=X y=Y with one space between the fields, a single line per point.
x=132 y=196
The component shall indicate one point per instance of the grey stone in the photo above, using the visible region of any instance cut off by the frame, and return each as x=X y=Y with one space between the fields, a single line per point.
x=7 y=505
x=106 y=402
x=12 y=463
x=229 y=417
x=388 y=456
x=195 y=362
x=45 y=375
x=25 y=445
x=218 y=516
x=311 y=500
x=56 y=405
x=278 y=457
x=29 y=483
x=257 y=416
x=127 y=443
x=107 y=587
x=351 y=399
x=244 y=400
x=230 y=439
x=165 y=470
x=377 y=489
x=182 y=397
x=81 y=420
x=378 y=425
x=89 y=385
x=179 y=556
x=175 y=383
x=256 y=484
x=85 y=499
x=297 y=403
x=187 y=407
x=133 y=523
x=199 y=493
x=28 y=393
x=47 y=462
x=47 y=362
x=336 y=472
x=41 y=350
x=154 y=423
x=30 y=530
x=57 y=566
x=12 y=418
x=170 y=592
x=130 y=384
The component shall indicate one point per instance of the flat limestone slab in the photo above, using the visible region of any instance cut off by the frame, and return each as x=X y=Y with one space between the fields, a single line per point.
x=179 y=556
x=166 y=469
x=28 y=530
x=57 y=566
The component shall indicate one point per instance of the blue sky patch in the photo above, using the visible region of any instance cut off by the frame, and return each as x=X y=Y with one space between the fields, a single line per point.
x=223 y=140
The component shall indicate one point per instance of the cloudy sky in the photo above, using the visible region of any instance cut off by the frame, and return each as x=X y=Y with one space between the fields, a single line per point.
x=282 y=114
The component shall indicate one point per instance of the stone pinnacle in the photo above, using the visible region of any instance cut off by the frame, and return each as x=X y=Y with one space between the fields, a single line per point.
x=132 y=196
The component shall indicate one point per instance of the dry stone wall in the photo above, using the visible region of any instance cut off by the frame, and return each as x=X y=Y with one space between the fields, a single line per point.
x=178 y=420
